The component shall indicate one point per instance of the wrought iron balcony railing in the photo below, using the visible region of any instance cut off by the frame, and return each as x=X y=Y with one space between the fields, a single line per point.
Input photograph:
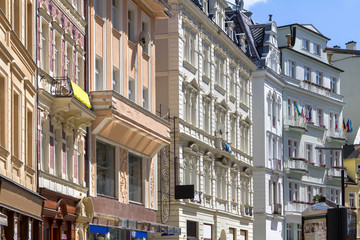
x=61 y=87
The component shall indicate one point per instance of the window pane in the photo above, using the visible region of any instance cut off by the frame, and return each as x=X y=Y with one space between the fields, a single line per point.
x=105 y=159
x=135 y=178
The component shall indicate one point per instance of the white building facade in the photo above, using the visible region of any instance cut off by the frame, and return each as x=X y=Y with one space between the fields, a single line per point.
x=312 y=113
x=204 y=78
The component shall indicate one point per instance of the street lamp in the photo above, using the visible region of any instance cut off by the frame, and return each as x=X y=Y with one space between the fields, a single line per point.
x=342 y=172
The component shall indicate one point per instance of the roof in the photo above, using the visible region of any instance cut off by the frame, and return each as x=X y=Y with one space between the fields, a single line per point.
x=349 y=152
x=304 y=26
x=342 y=51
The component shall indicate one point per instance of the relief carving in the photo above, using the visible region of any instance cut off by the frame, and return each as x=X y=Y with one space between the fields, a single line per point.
x=123 y=176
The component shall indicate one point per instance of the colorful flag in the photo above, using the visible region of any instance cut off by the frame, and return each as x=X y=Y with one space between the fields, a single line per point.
x=348 y=126
x=336 y=125
x=297 y=111
x=302 y=113
x=344 y=127
x=351 y=128
x=310 y=115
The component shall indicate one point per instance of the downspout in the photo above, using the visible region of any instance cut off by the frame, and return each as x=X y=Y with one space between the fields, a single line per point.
x=37 y=100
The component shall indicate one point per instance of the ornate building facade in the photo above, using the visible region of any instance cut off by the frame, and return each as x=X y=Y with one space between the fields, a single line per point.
x=20 y=205
x=313 y=116
x=126 y=135
x=204 y=77
x=63 y=117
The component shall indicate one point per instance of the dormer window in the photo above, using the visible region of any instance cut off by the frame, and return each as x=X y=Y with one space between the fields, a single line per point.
x=230 y=29
x=317 y=49
x=206 y=6
x=305 y=44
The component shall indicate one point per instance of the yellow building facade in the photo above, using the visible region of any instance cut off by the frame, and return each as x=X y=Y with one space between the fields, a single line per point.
x=20 y=205
x=352 y=186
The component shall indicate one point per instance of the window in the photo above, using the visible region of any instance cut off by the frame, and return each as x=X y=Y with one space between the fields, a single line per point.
x=333 y=83
x=191 y=229
x=145 y=98
x=131 y=22
x=116 y=80
x=309 y=194
x=207 y=178
x=351 y=200
x=337 y=127
x=320 y=117
x=206 y=60
x=57 y=152
x=221 y=184
x=243 y=234
x=44 y=146
x=288 y=232
x=233 y=132
x=194 y=108
x=57 y=56
x=307 y=74
x=296 y=196
x=29 y=25
x=80 y=72
x=105 y=163
x=232 y=82
x=305 y=44
x=206 y=115
x=135 y=178
x=291 y=107
x=219 y=71
x=291 y=197
x=207 y=231
x=334 y=158
x=69 y=65
x=299 y=232
x=131 y=89
x=317 y=49
x=99 y=83
x=292 y=148
x=115 y=14
x=3 y=104
x=233 y=187
x=29 y=138
x=319 y=78
x=44 y=47
x=145 y=26
x=308 y=149
x=291 y=69
x=321 y=156
x=99 y=7
x=232 y=232
x=16 y=124
x=189 y=48
x=190 y=171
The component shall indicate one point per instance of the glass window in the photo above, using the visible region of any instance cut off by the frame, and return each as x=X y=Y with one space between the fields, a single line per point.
x=307 y=74
x=320 y=116
x=105 y=163
x=131 y=89
x=351 y=200
x=191 y=229
x=135 y=178
x=292 y=69
x=116 y=80
x=317 y=49
x=145 y=99
x=288 y=231
x=305 y=44
x=99 y=85
x=319 y=78
x=333 y=85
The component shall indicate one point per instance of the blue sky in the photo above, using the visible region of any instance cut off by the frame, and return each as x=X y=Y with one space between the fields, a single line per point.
x=338 y=20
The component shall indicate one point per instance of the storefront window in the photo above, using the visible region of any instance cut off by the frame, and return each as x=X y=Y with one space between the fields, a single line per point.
x=135 y=178
x=105 y=159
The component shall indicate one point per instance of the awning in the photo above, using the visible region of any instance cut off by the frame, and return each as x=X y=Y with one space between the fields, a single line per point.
x=80 y=94
x=98 y=229
x=136 y=234
x=3 y=220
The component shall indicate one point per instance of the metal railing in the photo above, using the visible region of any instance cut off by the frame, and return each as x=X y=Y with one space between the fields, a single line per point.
x=61 y=87
x=313 y=87
x=295 y=121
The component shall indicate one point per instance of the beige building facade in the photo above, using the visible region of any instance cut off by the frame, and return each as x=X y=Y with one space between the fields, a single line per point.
x=126 y=135
x=20 y=205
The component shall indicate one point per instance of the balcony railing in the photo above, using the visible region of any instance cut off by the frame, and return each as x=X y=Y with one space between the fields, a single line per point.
x=295 y=121
x=247 y=210
x=316 y=88
x=61 y=87
x=336 y=134
x=335 y=172
x=296 y=164
x=276 y=164
x=291 y=206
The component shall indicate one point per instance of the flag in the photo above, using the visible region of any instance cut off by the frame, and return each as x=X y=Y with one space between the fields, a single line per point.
x=310 y=115
x=297 y=111
x=302 y=113
x=336 y=125
x=344 y=127
x=351 y=128
x=348 y=126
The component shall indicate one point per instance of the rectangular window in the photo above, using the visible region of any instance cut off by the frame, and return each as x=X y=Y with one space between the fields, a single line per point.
x=115 y=14
x=131 y=89
x=206 y=115
x=299 y=232
x=207 y=231
x=131 y=22
x=116 y=80
x=333 y=82
x=307 y=74
x=44 y=51
x=317 y=49
x=105 y=163
x=29 y=26
x=320 y=117
x=292 y=148
x=57 y=57
x=232 y=82
x=99 y=83
x=232 y=232
x=319 y=78
x=145 y=98
x=309 y=194
x=291 y=69
x=80 y=72
x=308 y=149
x=305 y=44
x=288 y=232
x=321 y=156
x=3 y=95
x=29 y=140
x=135 y=178
x=243 y=235
x=290 y=192
x=351 y=200
x=99 y=7
x=16 y=124
x=191 y=229
x=70 y=73
x=206 y=61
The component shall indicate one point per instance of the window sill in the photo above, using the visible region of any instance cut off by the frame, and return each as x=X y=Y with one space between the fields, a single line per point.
x=206 y=79
x=105 y=196
x=232 y=99
x=220 y=89
x=136 y=203
x=189 y=66
x=244 y=107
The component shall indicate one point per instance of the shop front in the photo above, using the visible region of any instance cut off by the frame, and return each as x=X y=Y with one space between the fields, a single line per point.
x=20 y=211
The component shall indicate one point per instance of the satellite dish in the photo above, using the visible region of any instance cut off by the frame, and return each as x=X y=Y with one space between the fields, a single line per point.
x=144 y=38
x=221 y=128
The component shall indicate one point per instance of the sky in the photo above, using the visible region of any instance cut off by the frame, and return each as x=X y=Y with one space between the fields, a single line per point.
x=338 y=20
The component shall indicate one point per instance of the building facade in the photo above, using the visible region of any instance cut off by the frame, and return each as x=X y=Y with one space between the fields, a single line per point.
x=312 y=115
x=63 y=117
x=348 y=60
x=20 y=205
x=126 y=135
x=204 y=77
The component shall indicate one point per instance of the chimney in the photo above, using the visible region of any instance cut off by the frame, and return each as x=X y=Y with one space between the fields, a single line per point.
x=337 y=46
x=351 y=45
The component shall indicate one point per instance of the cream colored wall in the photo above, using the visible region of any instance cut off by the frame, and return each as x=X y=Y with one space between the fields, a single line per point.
x=17 y=70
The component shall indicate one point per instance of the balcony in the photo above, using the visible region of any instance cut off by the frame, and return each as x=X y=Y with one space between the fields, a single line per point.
x=336 y=136
x=295 y=164
x=276 y=164
x=315 y=88
x=295 y=207
x=277 y=208
x=294 y=123
x=335 y=172
x=246 y=210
